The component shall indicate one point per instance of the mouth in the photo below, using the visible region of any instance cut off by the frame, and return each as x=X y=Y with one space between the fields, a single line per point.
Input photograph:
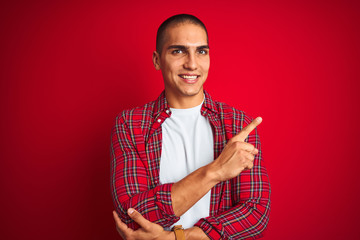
x=189 y=78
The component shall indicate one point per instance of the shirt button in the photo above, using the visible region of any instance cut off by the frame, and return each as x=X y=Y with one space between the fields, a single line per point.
x=159 y=120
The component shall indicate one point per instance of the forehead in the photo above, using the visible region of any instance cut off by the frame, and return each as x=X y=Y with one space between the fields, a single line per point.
x=187 y=34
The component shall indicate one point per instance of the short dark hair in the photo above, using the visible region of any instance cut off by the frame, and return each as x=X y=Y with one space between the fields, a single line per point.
x=174 y=20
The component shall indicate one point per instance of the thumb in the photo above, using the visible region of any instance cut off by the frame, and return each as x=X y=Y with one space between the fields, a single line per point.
x=138 y=218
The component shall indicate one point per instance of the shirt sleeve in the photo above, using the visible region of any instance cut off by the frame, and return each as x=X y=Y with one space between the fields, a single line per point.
x=130 y=184
x=249 y=215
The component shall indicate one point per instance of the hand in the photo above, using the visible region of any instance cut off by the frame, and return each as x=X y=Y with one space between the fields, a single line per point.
x=148 y=230
x=237 y=155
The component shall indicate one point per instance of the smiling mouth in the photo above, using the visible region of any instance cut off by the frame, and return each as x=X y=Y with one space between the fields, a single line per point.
x=189 y=78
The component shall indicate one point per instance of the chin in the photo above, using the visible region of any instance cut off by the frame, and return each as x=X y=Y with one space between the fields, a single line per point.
x=191 y=92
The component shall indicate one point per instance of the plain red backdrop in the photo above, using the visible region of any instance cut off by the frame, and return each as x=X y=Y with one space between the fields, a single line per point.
x=68 y=67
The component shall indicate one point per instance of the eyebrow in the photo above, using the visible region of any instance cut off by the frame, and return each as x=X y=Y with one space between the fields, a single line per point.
x=184 y=47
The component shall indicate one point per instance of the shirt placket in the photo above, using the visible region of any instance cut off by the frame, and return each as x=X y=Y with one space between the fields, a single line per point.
x=219 y=143
x=154 y=146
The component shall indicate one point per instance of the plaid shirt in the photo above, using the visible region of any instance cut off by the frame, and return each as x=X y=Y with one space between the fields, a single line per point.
x=239 y=207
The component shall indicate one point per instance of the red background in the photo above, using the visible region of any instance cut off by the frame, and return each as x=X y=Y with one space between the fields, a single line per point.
x=68 y=67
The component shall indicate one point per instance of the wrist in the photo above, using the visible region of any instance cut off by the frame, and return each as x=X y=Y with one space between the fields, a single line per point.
x=195 y=233
x=168 y=235
x=179 y=232
x=212 y=173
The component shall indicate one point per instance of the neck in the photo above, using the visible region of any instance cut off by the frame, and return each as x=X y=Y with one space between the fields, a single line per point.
x=184 y=102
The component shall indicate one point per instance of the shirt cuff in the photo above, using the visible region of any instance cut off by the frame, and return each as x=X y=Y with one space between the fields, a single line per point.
x=211 y=227
x=164 y=203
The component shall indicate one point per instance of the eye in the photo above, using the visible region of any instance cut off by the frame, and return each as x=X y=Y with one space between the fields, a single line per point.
x=177 y=51
x=203 y=51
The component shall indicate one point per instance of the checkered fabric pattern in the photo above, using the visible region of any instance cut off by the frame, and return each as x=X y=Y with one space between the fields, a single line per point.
x=239 y=207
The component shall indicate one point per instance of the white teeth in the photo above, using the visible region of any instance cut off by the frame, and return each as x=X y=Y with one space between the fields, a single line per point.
x=189 y=77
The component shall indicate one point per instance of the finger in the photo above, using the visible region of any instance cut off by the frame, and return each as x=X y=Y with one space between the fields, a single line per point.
x=244 y=146
x=249 y=156
x=121 y=227
x=250 y=165
x=249 y=161
x=118 y=225
x=117 y=219
x=122 y=235
x=137 y=217
x=255 y=151
x=242 y=135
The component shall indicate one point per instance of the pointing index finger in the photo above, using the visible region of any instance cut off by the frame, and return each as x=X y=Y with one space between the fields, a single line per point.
x=242 y=135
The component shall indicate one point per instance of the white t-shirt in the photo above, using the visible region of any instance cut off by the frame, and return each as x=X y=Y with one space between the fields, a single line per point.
x=187 y=144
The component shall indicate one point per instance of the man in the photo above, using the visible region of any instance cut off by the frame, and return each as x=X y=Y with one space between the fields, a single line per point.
x=185 y=158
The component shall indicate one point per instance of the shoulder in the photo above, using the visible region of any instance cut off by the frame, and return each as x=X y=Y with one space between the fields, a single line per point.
x=136 y=116
x=227 y=112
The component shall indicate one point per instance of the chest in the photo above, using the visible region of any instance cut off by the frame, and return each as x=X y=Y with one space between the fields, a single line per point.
x=187 y=144
x=154 y=146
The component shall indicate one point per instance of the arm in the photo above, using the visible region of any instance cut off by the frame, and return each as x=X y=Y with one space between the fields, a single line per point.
x=236 y=157
x=164 y=203
x=151 y=231
x=130 y=185
x=250 y=213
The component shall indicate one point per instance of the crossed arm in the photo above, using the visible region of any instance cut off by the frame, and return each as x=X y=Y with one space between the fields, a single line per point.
x=236 y=157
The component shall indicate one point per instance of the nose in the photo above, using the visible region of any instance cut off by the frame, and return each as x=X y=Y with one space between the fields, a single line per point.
x=191 y=62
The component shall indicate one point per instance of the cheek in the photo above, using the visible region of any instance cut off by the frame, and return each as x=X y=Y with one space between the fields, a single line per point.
x=173 y=68
x=206 y=67
x=205 y=64
x=176 y=68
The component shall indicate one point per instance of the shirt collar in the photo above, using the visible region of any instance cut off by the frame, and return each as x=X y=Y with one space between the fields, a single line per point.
x=161 y=104
x=209 y=103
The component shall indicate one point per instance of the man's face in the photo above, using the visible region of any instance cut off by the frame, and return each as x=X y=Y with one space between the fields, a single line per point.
x=184 y=60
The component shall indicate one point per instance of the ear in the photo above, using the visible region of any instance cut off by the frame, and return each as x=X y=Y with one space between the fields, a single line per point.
x=156 y=60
